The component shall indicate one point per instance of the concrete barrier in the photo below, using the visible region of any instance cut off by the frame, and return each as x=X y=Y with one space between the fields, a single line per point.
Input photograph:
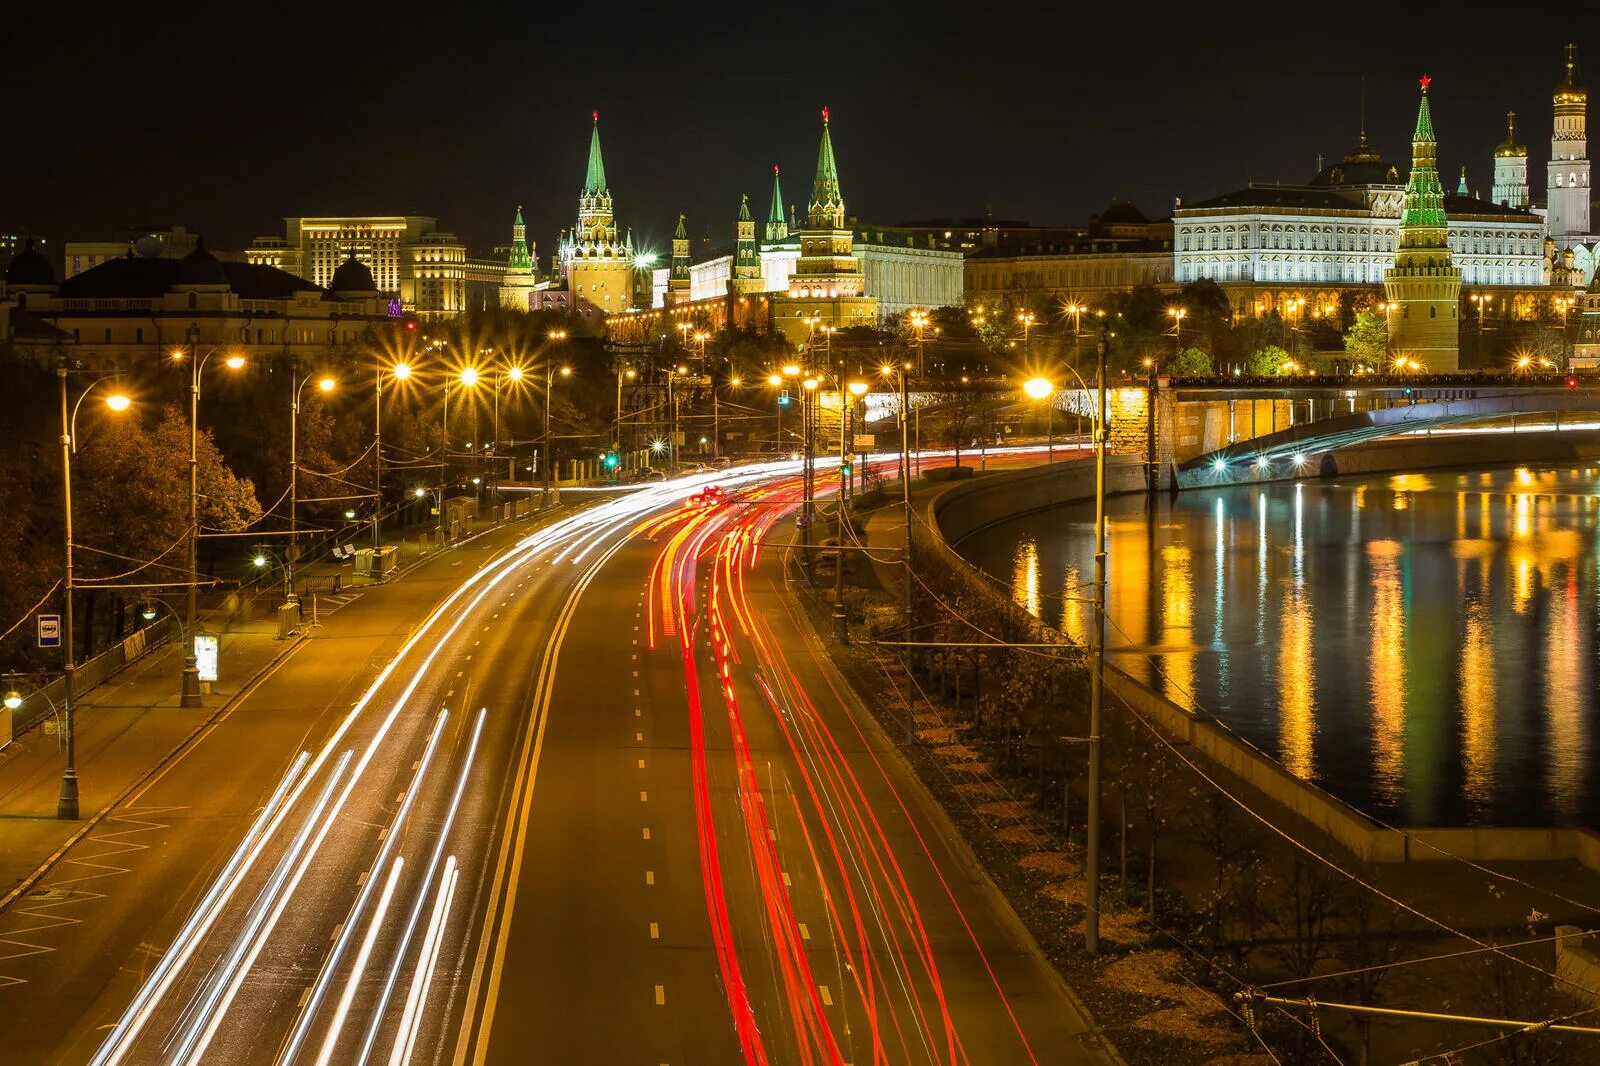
x=967 y=507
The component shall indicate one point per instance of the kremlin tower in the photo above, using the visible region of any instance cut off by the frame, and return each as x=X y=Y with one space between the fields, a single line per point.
x=1423 y=287
x=826 y=286
x=596 y=264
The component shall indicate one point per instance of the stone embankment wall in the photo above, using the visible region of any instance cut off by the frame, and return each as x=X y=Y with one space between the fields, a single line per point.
x=966 y=507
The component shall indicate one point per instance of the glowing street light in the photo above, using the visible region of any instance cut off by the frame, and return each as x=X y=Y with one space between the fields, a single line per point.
x=1040 y=389
x=118 y=402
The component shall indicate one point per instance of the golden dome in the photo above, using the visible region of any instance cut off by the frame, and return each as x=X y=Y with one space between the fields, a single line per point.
x=1571 y=90
x=1509 y=148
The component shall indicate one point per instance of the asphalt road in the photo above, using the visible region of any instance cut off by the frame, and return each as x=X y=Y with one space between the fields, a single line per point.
x=606 y=802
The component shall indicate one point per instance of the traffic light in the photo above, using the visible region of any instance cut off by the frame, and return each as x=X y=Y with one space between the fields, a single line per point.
x=847 y=467
x=1408 y=390
x=1572 y=382
x=609 y=460
x=784 y=399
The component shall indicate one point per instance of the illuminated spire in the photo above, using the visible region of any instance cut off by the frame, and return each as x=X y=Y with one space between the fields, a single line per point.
x=596 y=180
x=777 y=227
x=1461 y=187
x=520 y=259
x=1424 y=194
x=827 y=201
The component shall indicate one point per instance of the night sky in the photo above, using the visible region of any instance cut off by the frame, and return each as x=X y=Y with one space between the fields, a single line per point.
x=227 y=122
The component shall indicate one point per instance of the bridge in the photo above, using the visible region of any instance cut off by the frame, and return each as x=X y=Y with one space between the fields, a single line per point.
x=1322 y=420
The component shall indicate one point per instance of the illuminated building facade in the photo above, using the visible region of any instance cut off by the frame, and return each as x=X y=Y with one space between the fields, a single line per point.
x=1568 y=177
x=1511 y=169
x=411 y=259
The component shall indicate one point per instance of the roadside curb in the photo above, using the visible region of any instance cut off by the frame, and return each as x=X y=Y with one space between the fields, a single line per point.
x=245 y=690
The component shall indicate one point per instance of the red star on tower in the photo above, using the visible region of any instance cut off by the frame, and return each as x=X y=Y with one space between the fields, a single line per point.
x=1425 y=82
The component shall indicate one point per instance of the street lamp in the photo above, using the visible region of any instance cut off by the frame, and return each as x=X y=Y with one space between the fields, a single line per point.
x=616 y=426
x=189 y=688
x=549 y=395
x=67 y=804
x=1481 y=300
x=1177 y=314
x=1041 y=389
x=325 y=384
x=400 y=372
x=1563 y=304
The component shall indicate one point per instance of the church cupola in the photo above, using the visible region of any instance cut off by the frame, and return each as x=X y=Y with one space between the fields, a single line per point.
x=1568 y=182
x=1511 y=169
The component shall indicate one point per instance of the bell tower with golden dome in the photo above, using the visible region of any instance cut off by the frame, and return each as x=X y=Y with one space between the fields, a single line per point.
x=1569 y=189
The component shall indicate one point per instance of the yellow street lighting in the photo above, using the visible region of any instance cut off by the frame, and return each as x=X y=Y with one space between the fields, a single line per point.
x=515 y=373
x=774 y=380
x=790 y=370
x=566 y=371
x=13 y=700
x=327 y=384
x=810 y=384
x=1038 y=388
x=234 y=362
x=557 y=335
x=733 y=383
x=419 y=493
x=469 y=376
x=858 y=388
x=401 y=371
x=118 y=402
x=886 y=370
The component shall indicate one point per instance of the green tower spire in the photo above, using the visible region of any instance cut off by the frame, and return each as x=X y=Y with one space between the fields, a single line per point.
x=1461 y=186
x=596 y=180
x=1424 y=194
x=777 y=227
x=746 y=257
x=744 y=207
x=827 y=201
x=520 y=258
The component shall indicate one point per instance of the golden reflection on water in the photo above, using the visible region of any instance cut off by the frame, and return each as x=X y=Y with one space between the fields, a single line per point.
x=1025 y=576
x=1387 y=680
x=1297 y=677
x=1177 y=617
x=1564 y=692
x=1477 y=698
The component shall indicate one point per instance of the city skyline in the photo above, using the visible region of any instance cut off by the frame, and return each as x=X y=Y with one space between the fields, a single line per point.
x=1270 y=104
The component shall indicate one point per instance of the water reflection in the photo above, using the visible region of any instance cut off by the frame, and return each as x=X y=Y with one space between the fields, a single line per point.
x=1422 y=645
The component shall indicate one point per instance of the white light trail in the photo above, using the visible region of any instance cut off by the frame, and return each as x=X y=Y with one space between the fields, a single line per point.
x=391 y=840
x=354 y=981
x=224 y=982
x=382 y=1004
x=422 y=977
x=205 y=914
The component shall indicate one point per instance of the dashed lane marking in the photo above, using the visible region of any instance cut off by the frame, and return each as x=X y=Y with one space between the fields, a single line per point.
x=646 y=832
x=661 y=995
x=644 y=797
x=655 y=931
x=827 y=999
x=805 y=933
x=649 y=877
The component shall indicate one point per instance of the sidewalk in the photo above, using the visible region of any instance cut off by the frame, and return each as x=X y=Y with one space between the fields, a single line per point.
x=131 y=723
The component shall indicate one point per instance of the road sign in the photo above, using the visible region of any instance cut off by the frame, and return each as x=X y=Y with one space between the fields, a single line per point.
x=49 y=631
x=865 y=442
x=205 y=656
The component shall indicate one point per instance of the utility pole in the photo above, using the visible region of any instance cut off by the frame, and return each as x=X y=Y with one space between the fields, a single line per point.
x=67 y=804
x=841 y=622
x=189 y=692
x=1091 y=938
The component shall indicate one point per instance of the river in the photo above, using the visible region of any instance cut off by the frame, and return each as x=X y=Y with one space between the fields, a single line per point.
x=1421 y=645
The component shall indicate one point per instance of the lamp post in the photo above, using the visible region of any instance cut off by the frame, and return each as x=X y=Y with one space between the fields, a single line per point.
x=1097 y=676
x=514 y=374
x=858 y=389
x=1043 y=389
x=189 y=689
x=616 y=425
x=400 y=372
x=67 y=803
x=1564 y=305
x=808 y=463
x=326 y=384
x=841 y=621
x=1177 y=314
x=716 y=416
x=1481 y=300
x=549 y=394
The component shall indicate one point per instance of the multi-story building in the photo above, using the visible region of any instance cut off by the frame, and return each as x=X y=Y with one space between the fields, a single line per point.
x=413 y=262
x=133 y=310
x=168 y=242
x=1272 y=246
